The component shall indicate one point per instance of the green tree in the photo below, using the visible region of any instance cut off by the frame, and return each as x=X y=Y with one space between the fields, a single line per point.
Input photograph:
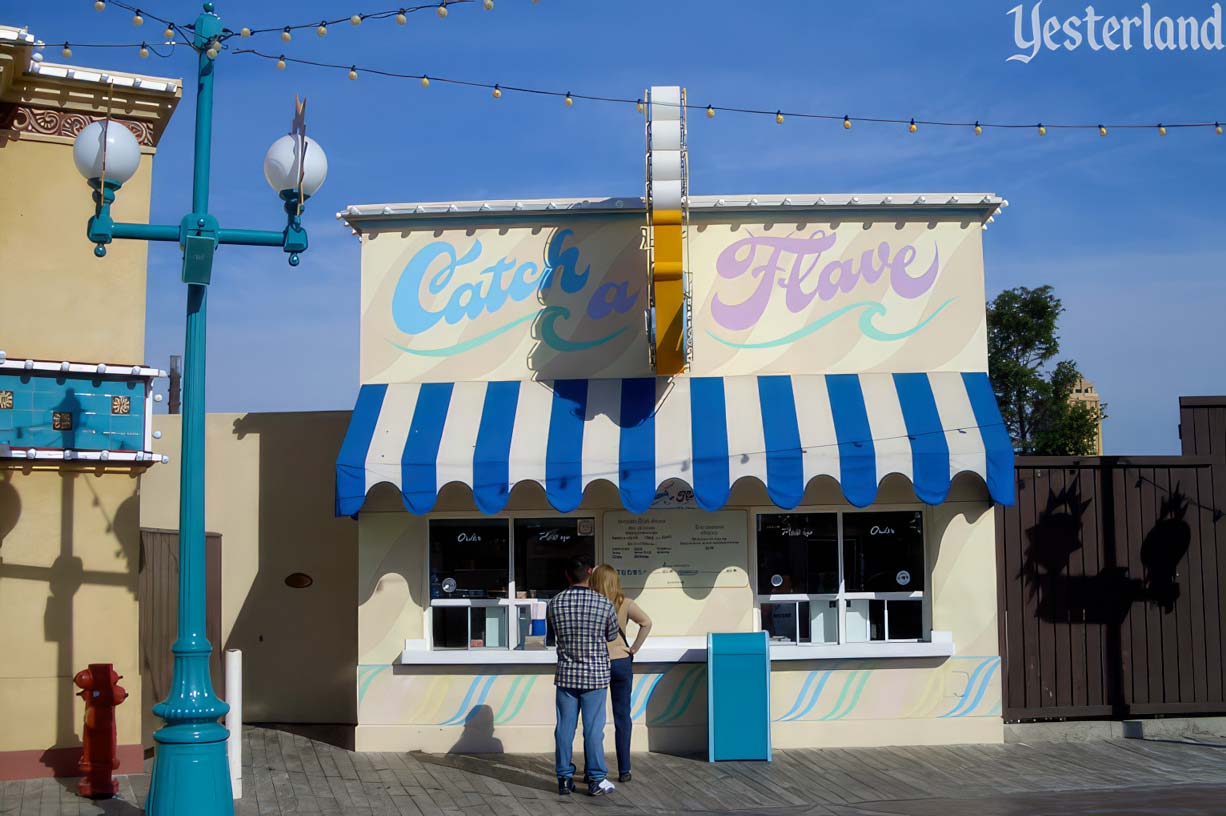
x=1033 y=392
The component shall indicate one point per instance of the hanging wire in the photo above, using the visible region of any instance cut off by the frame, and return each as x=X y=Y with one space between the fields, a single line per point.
x=142 y=11
x=774 y=114
x=435 y=78
x=187 y=31
x=348 y=18
x=153 y=47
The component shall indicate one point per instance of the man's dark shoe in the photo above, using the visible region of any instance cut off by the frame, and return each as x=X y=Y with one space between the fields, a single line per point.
x=600 y=788
x=566 y=786
x=625 y=777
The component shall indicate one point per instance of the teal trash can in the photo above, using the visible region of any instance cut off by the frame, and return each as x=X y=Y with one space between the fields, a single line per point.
x=738 y=696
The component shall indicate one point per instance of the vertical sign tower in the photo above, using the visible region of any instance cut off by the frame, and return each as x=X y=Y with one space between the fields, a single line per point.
x=669 y=324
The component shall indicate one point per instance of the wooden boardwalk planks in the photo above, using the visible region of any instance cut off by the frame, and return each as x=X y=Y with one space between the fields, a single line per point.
x=296 y=776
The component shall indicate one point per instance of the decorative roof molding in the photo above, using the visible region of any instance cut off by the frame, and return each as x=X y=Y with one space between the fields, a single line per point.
x=48 y=122
x=983 y=205
x=28 y=81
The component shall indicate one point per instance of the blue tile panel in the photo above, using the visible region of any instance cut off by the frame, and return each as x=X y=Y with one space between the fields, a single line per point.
x=89 y=398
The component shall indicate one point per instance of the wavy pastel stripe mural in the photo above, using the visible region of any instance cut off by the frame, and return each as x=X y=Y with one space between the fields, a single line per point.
x=976 y=688
x=677 y=695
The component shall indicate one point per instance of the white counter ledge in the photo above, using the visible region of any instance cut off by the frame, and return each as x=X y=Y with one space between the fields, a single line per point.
x=683 y=650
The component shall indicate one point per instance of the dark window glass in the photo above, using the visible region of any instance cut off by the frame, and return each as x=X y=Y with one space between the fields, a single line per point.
x=798 y=553
x=782 y=621
x=883 y=552
x=472 y=552
x=906 y=620
x=876 y=620
x=542 y=548
x=450 y=627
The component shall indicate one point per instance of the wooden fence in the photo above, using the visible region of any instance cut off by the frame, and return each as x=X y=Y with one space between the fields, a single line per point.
x=1112 y=588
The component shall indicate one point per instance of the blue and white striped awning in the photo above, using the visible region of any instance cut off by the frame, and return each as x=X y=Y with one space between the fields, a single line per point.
x=707 y=431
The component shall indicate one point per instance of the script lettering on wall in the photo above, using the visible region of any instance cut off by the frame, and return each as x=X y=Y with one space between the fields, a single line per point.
x=564 y=298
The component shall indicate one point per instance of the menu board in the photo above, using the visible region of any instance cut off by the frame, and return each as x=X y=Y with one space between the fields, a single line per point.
x=690 y=549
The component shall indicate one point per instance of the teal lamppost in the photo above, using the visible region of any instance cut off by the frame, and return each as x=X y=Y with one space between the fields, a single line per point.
x=191 y=775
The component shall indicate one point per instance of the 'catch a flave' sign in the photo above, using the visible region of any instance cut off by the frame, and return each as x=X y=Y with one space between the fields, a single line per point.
x=565 y=298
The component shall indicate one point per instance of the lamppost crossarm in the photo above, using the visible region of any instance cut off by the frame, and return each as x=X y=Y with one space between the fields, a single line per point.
x=191 y=775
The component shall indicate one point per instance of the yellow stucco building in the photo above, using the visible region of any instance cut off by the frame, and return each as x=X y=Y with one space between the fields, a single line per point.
x=74 y=407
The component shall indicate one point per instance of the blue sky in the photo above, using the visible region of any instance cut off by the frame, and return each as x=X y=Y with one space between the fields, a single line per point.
x=1126 y=228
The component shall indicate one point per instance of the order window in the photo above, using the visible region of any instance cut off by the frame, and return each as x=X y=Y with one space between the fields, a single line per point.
x=490 y=578
x=844 y=577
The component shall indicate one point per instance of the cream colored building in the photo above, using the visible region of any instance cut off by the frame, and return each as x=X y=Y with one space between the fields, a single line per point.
x=1084 y=393
x=69 y=527
x=825 y=470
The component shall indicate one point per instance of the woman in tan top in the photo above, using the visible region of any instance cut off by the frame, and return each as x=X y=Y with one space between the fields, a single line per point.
x=621 y=657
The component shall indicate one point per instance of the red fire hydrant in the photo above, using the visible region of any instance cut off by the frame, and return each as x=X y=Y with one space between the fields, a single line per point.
x=101 y=692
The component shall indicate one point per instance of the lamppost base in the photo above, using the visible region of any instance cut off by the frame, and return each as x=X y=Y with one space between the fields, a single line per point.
x=191 y=779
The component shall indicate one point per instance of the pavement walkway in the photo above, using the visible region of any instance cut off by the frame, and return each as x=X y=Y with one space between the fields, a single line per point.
x=288 y=774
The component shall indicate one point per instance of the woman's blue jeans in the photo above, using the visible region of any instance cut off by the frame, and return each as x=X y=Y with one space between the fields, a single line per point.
x=620 y=682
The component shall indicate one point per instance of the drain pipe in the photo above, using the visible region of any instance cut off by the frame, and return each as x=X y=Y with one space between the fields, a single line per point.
x=234 y=719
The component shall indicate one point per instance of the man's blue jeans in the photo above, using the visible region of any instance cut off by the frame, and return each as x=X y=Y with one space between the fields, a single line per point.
x=570 y=704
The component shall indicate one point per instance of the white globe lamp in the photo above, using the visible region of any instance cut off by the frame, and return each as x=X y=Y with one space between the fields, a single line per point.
x=293 y=157
x=119 y=158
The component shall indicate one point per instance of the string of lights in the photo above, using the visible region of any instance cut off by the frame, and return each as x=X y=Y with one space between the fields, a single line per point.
x=780 y=116
x=400 y=14
x=143 y=49
x=176 y=34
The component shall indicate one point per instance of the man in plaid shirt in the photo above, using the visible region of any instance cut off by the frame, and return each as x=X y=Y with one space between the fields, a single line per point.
x=583 y=622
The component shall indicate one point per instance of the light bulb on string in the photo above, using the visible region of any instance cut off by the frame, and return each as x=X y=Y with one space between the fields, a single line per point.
x=244 y=32
x=144 y=51
x=137 y=20
x=1161 y=130
x=710 y=112
x=912 y=127
x=401 y=18
x=569 y=100
x=355 y=20
x=425 y=82
x=214 y=50
x=66 y=51
x=169 y=33
x=99 y=5
x=281 y=63
x=638 y=105
x=322 y=30
x=353 y=72
x=497 y=92
x=1217 y=128
x=778 y=117
x=978 y=129
x=286 y=36
x=488 y=5
x=1102 y=131
x=1042 y=130
x=846 y=123
x=442 y=9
